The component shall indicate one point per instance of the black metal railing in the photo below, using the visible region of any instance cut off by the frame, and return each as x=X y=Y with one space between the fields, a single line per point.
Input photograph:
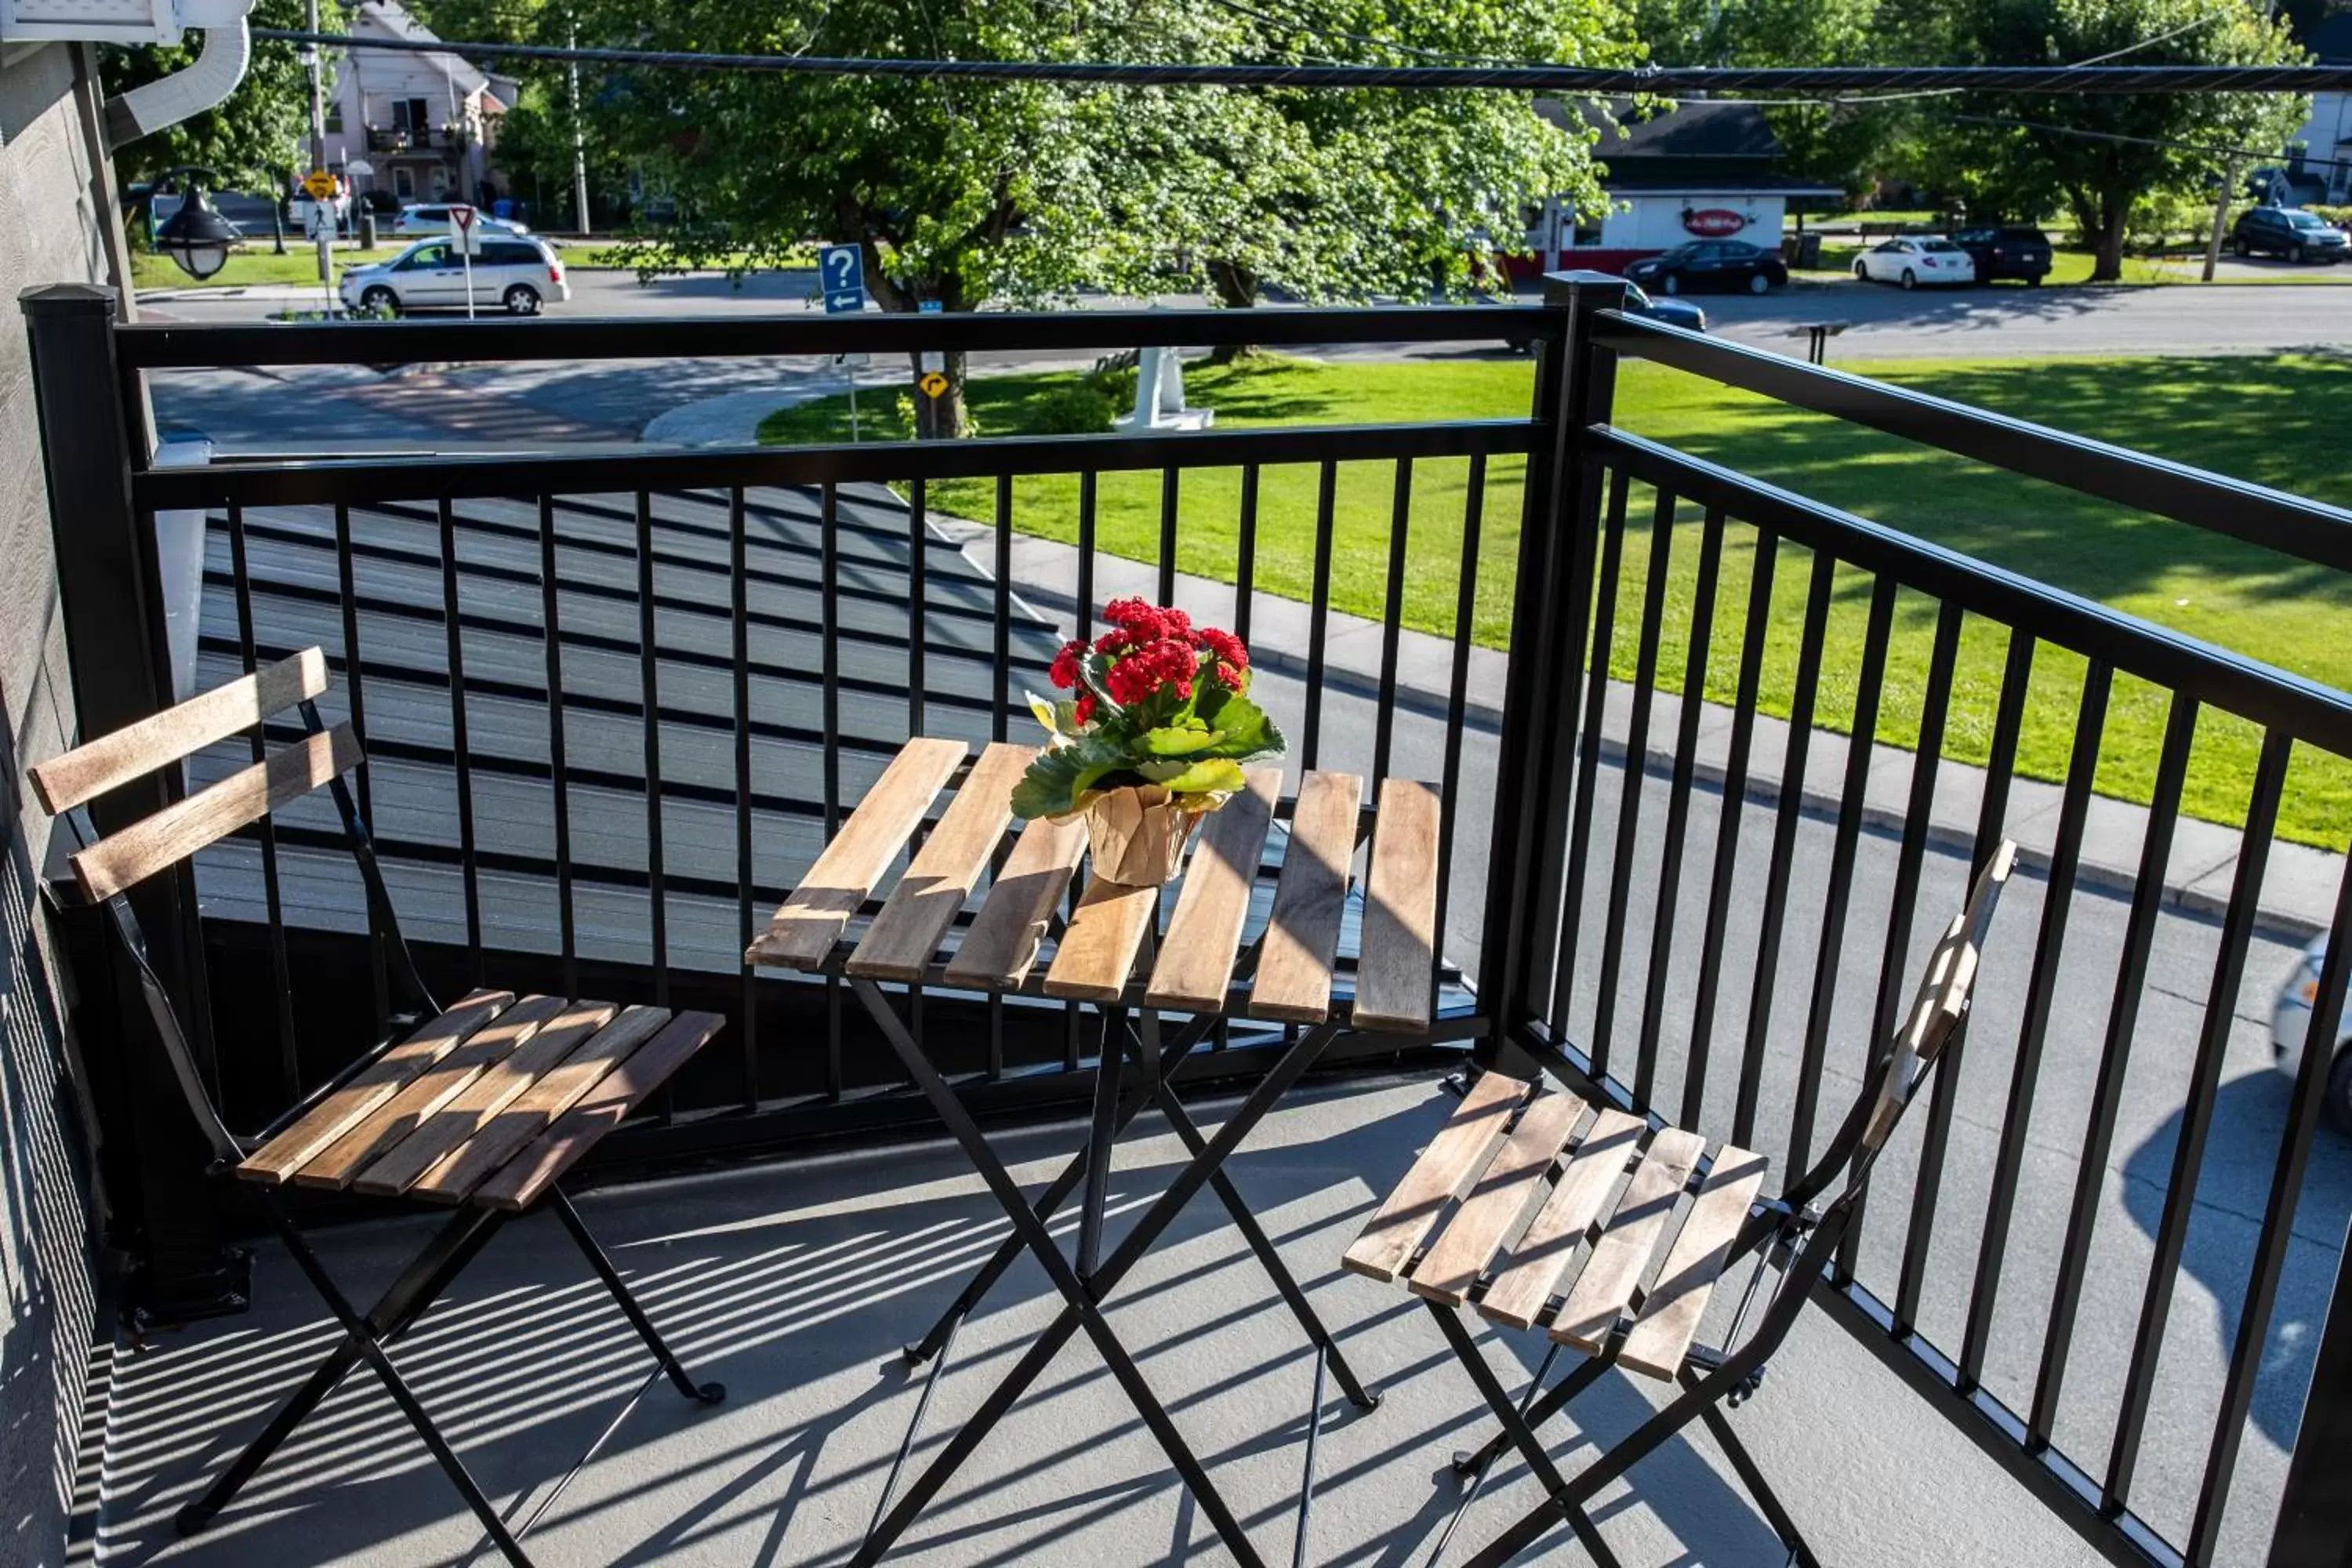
x=648 y=684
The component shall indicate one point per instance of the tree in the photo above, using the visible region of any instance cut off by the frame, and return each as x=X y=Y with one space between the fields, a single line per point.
x=2099 y=155
x=253 y=136
x=961 y=192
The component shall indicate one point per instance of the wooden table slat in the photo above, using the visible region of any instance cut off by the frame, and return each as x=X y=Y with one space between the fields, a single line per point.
x=470 y=1165
x=1623 y=1254
x=1503 y=1197
x=1293 y=968
x=1196 y=962
x=908 y=929
x=1670 y=1316
x=1461 y=1150
x=1395 y=976
x=1098 y=947
x=339 y=1112
x=1518 y=1294
x=812 y=917
x=397 y=1170
x=1002 y=942
x=621 y=1090
x=399 y=1117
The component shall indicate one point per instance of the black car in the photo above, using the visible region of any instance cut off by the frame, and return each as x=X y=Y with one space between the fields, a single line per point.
x=1711 y=264
x=2290 y=232
x=2022 y=253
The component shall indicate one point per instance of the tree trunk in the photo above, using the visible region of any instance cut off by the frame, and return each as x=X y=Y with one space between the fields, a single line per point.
x=1236 y=288
x=2108 y=242
x=944 y=417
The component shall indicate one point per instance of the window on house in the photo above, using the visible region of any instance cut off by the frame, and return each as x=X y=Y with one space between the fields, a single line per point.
x=403 y=183
x=1588 y=232
x=334 y=117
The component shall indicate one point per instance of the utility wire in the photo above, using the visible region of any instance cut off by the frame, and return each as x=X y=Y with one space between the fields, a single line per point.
x=1668 y=80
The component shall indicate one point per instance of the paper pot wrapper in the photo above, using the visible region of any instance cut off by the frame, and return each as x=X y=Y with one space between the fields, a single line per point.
x=1137 y=832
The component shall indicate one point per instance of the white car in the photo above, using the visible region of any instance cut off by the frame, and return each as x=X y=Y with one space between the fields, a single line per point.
x=2291 y=1028
x=516 y=274
x=414 y=221
x=1914 y=261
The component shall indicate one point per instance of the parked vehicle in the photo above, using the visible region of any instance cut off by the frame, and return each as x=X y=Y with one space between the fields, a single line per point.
x=415 y=221
x=1998 y=253
x=2290 y=1027
x=1711 y=264
x=1673 y=312
x=518 y=274
x=2290 y=232
x=1913 y=260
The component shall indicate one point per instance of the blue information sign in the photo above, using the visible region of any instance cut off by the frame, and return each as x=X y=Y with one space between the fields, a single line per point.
x=842 y=270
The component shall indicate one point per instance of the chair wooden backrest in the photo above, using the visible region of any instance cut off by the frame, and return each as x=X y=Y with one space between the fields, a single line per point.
x=106 y=868
x=1942 y=999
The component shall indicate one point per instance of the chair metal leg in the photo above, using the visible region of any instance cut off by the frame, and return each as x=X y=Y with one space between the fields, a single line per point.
x=1586 y=1374
x=1751 y=1475
x=1307 y=1483
x=914 y=1425
x=1476 y=1477
x=702 y=1393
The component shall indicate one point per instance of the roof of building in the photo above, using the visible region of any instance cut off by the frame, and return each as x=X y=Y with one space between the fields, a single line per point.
x=2331 y=41
x=1722 y=148
x=395 y=20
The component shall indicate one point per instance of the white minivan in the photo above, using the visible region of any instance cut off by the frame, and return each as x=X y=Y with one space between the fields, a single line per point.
x=515 y=274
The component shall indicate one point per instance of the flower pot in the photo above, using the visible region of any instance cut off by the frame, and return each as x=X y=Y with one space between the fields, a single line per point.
x=1137 y=834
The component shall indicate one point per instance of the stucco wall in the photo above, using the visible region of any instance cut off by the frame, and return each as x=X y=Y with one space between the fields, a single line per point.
x=50 y=225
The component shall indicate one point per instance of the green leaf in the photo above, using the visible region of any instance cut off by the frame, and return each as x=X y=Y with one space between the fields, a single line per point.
x=1047 y=713
x=1206 y=775
x=1053 y=782
x=1182 y=739
x=1245 y=732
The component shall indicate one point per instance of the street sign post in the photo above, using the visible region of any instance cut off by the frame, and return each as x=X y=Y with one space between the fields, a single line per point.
x=852 y=363
x=318 y=185
x=841 y=274
x=461 y=218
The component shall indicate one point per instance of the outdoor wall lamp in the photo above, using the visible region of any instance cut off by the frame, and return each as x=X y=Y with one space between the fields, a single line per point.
x=197 y=238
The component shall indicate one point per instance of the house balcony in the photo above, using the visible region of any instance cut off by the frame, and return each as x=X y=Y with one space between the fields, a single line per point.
x=615 y=702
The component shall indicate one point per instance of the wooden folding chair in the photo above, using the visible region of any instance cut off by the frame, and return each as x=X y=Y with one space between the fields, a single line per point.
x=483 y=1106
x=1518 y=1185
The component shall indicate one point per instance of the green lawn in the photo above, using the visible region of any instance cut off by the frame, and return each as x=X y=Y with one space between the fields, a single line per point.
x=624 y=255
x=2261 y=420
x=253 y=264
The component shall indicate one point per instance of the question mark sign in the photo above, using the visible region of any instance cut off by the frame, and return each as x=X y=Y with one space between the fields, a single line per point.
x=843 y=261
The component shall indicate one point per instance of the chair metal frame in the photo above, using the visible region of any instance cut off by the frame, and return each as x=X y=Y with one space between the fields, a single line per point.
x=1788 y=1235
x=367 y=1335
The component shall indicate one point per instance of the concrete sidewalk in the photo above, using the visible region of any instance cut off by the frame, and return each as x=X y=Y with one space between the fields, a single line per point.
x=2299 y=888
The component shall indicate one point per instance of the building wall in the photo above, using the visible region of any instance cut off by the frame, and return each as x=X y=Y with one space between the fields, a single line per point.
x=52 y=217
x=1640 y=226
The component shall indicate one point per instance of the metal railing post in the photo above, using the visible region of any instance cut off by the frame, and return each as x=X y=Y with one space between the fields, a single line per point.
x=109 y=593
x=1575 y=386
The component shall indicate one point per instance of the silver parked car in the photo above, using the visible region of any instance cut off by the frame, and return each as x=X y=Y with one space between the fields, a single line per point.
x=414 y=222
x=2291 y=1026
x=516 y=274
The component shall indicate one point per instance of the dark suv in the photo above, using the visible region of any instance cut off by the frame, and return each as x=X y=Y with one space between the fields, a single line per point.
x=2290 y=232
x=2022 y=253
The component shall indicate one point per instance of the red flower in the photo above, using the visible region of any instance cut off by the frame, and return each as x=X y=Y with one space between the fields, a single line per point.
x=1065 y=672
x=1143 y=622
x=1225 y=645
x=1085 y=707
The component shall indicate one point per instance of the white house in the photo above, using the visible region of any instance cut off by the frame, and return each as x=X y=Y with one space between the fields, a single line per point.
x=1706 y=170
x=2318 y=170
x=425 y=126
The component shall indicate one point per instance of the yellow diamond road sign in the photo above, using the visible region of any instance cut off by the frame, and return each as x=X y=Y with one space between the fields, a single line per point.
x=933 y=384
x=318 y=185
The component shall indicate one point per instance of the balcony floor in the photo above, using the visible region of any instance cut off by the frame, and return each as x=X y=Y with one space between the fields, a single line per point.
x=795 y=1284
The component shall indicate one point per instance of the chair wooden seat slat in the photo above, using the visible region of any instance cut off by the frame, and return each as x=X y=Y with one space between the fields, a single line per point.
x=1000 y=945
x=1302 y=938
x=1458 y=1153
x=1499 y=1201
x=1394 y=977
x=1604 y=1288
x=1196 y=962
x=1673 y=1306
x=907 y=931
x=819 y=909
x=1520 y=1290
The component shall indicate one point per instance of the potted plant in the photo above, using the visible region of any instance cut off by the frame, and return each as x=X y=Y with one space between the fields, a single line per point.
x=1152 y=740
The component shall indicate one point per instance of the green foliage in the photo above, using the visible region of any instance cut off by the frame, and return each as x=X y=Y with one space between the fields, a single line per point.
x=1073 y=408
x=252 y=137
x=1843 y=145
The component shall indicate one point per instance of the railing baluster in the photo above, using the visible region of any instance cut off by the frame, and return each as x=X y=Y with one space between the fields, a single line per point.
x=1636 y=776
x=290 y=1064
x=2025 y=1072
x=1246 y=551
x=649 y=674
x=2276 y=1237
x=1089 y=484
x=2196 y=1110
x=748 y=992
x=1457 y=699
x=1762 y=566
x=1588 y=760
x=355 y=695
x=1786 y=816
x=1318 y=627
x=829 y=658
x=1168 y=508
x=551 y=631
x=1392 y=612
x=997 y=726
x=2114 y=1060
x=919 y=552
x=1894 y=977
x=1670 y=868
x=459 y=752
x=1992 y=815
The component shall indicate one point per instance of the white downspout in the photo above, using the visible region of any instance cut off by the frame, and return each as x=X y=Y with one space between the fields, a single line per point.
x=220 y=66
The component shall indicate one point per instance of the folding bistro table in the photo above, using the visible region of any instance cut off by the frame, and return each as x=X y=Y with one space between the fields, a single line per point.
x=1107 y=955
